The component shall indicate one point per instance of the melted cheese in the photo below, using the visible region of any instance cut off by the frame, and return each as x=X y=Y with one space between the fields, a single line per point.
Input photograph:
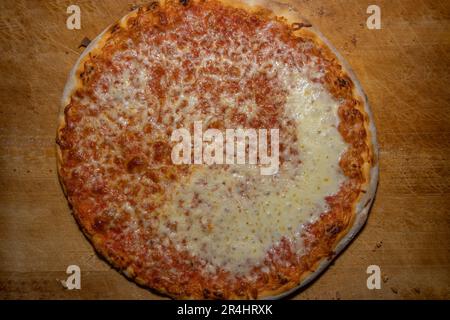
x=227 y=216
x=231 y=217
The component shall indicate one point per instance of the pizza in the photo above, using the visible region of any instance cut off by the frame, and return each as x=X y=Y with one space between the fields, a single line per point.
x=217 y=230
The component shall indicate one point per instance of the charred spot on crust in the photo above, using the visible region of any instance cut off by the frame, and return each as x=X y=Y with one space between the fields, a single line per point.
x=62 y=143
x=115 y=28
x=344 y=82
x=184 y=2
x=88 y=70
x=334 y=229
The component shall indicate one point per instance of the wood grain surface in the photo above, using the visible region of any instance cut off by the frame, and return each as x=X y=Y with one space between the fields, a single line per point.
x=404 y=68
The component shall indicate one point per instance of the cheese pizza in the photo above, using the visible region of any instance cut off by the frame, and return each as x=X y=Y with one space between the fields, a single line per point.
x=216 y=231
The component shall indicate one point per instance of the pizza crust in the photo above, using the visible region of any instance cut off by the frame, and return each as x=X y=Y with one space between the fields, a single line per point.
x=370 y=170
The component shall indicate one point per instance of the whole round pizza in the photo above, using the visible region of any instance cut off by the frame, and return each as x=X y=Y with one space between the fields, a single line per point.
x=215 y=69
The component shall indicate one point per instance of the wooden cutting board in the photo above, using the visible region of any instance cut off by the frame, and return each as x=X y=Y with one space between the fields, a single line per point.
x=404 y=68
